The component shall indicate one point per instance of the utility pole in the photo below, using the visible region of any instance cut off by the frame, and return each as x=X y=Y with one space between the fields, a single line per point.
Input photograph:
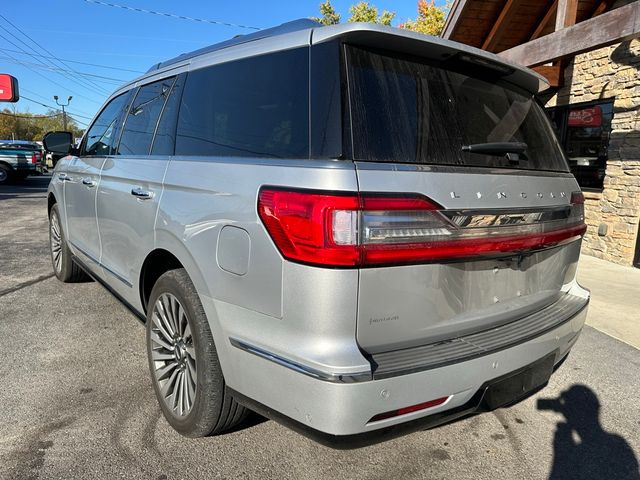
x=64 y=114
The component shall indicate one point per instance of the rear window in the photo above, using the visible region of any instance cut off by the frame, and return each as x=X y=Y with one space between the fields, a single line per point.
x=406 y=111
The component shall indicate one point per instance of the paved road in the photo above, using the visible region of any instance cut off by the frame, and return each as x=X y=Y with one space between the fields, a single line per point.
x=77 y=401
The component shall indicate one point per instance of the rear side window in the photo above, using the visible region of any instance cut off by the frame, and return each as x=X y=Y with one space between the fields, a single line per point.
x=142 y=118
x=100 y=136
x=406 y=111
x=254 y=107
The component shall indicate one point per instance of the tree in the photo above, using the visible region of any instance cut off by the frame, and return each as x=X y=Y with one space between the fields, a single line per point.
x=364 y=12
x=27 y=126
x=360 y=12
x=430 y=19
x=329 y=14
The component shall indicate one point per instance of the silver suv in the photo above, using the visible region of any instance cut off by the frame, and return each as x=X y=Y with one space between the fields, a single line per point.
x=356 y=230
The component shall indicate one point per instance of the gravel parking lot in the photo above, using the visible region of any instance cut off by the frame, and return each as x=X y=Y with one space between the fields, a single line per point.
x=77 y=401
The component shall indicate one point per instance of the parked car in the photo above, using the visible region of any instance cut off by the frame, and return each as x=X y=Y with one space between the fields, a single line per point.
x=353 y=229
x=18 y=159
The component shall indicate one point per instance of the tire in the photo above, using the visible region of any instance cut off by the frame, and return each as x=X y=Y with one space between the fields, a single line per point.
x=183 y=361
x=65 y=269
x=6 y=174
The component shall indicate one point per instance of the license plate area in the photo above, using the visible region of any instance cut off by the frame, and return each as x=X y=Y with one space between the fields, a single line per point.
x=518 y=385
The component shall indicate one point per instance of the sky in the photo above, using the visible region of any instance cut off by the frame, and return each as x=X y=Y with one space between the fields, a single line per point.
x=86 y=49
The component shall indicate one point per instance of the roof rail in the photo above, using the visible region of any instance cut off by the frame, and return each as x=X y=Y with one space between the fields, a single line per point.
x=288 y=27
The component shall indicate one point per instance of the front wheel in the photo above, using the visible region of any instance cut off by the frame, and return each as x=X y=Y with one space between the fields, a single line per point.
x=64 y=267
x=183 y=361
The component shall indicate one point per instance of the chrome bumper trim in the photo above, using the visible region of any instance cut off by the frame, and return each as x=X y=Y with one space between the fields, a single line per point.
x=297 y=367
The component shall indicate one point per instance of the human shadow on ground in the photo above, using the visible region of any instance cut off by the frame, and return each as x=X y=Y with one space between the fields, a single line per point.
x=582 y=449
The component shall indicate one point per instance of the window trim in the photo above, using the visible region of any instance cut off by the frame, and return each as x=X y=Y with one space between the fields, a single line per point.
x=155 y=128
x=85 y=138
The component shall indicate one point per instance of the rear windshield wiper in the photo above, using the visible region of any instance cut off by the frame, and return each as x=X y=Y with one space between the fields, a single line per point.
x=495 y=148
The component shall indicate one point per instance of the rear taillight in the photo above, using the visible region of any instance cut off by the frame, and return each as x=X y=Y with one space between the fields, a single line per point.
x=34 y=158
x=359 y=230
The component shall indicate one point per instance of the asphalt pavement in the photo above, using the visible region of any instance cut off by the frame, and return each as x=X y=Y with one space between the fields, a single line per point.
x=77 y=400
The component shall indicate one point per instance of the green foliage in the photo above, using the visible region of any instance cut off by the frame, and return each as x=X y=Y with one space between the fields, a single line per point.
x=27 y=126
x=329 y=14
x=364 y=12
x=430 y=19
x=360 y=12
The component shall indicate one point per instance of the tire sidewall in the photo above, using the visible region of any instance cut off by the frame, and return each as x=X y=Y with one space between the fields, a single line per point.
x=63 y=274
x=209 y=379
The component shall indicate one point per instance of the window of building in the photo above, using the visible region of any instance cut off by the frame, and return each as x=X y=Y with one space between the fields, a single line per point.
x=254 y=107
x=584 y=130
x=142 y=118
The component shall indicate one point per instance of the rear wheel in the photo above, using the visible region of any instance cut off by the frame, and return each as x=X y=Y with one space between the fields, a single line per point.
x=183 y=361
x=63 y=265
x=6 y=174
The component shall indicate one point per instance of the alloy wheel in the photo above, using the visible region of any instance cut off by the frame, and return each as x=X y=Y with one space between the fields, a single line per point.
x=173 y=355
x=55 y=239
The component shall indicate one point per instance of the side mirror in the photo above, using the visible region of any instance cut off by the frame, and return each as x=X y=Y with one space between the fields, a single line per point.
x=58 y=142
x=8 y=88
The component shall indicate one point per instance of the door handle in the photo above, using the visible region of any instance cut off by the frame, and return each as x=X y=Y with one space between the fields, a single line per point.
x=141 y=194
x=89 y=182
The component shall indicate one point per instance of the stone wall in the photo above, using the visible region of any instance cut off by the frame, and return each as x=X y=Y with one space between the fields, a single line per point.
x=611 y=73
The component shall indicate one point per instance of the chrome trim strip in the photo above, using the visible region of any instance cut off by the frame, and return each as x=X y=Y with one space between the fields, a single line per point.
x=297 y=367
x=99 y=264
x=420 y=167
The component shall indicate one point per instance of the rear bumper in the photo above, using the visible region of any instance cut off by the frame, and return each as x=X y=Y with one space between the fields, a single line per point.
x=330 y=410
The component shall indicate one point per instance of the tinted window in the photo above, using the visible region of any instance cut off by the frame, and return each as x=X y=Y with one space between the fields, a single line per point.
x=142 y=118
x=255 y=107
x=584 y=130
x=100 y=136
x=165 y=139
x=412 y=112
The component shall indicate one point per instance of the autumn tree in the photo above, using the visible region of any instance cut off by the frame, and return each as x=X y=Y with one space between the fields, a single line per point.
x=27 y=126
x=430 y=19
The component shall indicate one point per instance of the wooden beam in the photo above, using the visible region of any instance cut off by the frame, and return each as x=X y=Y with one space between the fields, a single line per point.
x=553 y=74
x=612 y=27
x=545 y=20
x=566 y=14
x=452 y=19
x=500 y=27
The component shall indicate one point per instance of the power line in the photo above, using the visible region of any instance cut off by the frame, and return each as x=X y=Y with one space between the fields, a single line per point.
x=85 y=83
x=22 y=89
x=170 y=15
x=49 y=79
x=56 y=69
x=74 y=61
x=52 y=107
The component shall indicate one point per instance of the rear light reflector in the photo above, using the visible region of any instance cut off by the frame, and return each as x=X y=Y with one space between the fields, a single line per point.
x=413 y=408
x=360 y=230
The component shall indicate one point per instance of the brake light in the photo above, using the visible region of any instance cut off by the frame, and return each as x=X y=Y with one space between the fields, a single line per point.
x=34 y=158
x=360 y=230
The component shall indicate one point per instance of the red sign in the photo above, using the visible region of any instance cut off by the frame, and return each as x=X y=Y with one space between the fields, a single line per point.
x=8 y=88
x=585 y=117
